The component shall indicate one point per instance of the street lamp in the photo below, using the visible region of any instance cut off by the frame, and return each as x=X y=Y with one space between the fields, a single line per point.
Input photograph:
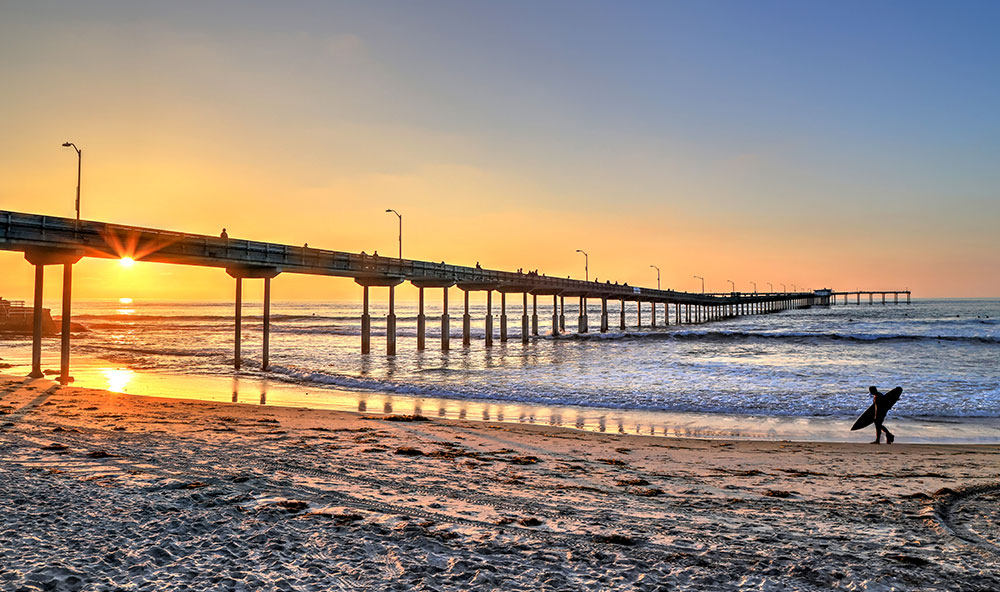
x=770 y=286
x=79 y=165
x=657 y=276
x=586 y=264
x=398 y=215
x=733 y=284
x=754 y=287
x=793 y=287
x=783 y=288
x=698 y=277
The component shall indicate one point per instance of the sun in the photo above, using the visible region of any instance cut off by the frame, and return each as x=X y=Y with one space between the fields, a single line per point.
x=126 y=262
x=124 y=300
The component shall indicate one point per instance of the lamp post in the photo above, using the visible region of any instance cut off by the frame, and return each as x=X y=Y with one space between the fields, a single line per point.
x=586 y=264
x=754 y=287
x=79 y=166
x=793 y=287
x=398 y=215
x=783 y=288
x=770 y=286
x=732 y=284
x=698 y=277
x=657 y=276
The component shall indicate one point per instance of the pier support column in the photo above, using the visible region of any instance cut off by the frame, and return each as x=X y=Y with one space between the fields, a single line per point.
x=237 y=360
x=445 y=328
x=677 y=313
x=489 y=318
x=581 y=325
x=466 y=323
x=555 y=315
x=562 y=313
x=652 y=314
x=390 y=324
x=36 y=325
x=896 y=298
x=67 y=301
x=503 y=317
x=265 y=361
x=421 y=320
x=534 y=314
x=524 y=318
x=622 y=317
x=638 y=314
x=883 y=298
x=366 y=323
x=604 y=315
x=687 y=312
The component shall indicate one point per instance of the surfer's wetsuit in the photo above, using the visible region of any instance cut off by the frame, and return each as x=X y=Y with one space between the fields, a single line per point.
x=881 y=409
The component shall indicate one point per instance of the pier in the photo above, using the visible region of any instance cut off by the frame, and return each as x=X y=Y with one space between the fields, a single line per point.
x=48 y=240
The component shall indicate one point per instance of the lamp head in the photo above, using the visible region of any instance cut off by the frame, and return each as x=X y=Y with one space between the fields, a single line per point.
x=67 y=144
x=387 y=211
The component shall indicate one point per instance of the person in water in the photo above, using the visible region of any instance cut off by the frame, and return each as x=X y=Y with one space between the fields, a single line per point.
x=882 y=403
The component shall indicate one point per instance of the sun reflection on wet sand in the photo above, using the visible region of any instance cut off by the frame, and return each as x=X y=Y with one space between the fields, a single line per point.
x=118 y=378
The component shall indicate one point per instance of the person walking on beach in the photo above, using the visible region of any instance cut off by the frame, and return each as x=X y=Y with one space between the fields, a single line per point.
x=882 y=404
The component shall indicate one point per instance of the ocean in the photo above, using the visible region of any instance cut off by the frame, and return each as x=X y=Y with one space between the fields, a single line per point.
x=795 y=373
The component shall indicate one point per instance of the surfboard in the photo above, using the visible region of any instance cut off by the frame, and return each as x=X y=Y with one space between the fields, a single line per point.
x=868 y=417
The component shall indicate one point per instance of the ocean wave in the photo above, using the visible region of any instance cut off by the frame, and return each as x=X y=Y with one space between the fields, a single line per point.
x=687 y=335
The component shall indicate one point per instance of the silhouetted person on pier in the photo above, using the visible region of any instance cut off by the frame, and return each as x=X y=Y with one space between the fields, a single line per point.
x=224 y=234
x=882 y=405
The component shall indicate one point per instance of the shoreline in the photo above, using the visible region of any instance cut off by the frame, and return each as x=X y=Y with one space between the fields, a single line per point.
x=129 y=489
x=273 y=390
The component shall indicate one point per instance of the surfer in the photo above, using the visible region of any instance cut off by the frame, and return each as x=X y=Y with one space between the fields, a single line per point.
x=882 y=403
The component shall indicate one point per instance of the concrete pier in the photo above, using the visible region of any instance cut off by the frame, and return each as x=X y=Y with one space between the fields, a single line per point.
x=466 y=323
x=421 y=320
x=445 y=327
x=524 y=318
x=489 y=318
x=652 y=314
x=621 y=321
x=390 y=324
x=265 y=355
x=36 y=341
x=366 y=323
x=534 y=314
x=582 y=321
x=555 y=315
x=503 y=317
x=604 y=315
x=562 y=313
x=238 y=315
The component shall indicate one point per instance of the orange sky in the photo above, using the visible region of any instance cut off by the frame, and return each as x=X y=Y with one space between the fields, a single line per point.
x=283 y=132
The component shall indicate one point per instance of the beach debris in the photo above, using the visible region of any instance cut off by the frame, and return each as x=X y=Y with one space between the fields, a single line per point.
x=779 y=493
x=55 y=447
x=647 y=491
x=617 y=462
x=631 y=481
x=292 y=506
x=409 y=451
x=617 y=539
x=529 y=521
x=414 y=417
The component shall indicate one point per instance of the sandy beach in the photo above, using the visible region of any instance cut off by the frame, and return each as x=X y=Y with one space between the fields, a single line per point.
x=104 y=491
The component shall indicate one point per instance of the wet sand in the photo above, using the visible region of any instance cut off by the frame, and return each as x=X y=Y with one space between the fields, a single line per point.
x=101 y=491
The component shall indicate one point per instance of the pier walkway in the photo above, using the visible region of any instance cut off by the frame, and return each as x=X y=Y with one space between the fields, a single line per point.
x=48 y=240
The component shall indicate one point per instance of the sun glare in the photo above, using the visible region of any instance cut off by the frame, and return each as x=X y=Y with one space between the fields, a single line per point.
x=124 y=300
x=127 y=262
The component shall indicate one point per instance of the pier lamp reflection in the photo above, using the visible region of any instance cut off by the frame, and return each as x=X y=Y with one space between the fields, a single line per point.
x=118 y=378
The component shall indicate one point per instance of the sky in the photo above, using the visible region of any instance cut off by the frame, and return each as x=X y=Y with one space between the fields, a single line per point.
x=846 y=145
